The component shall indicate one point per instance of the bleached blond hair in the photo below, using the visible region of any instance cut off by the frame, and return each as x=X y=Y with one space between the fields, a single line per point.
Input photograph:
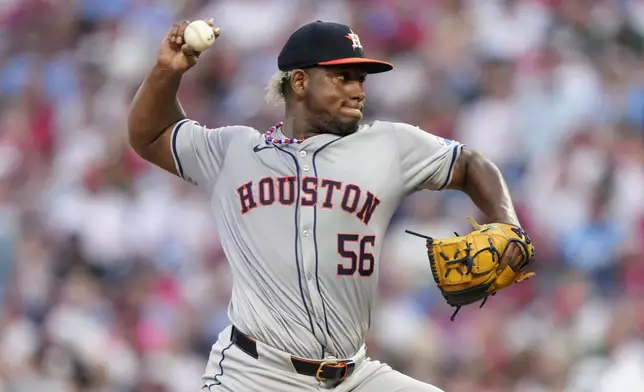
x=275 y=88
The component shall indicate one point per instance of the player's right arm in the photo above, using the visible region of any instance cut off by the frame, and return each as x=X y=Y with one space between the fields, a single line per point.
x=156 y=113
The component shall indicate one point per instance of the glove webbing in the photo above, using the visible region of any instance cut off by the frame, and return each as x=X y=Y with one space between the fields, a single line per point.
x=468 y=260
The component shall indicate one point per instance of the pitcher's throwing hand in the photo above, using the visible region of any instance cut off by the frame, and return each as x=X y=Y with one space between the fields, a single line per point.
x=175 y=54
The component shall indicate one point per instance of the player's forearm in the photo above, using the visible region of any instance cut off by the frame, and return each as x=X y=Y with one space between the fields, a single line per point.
x=484 y=184
x=155 y=107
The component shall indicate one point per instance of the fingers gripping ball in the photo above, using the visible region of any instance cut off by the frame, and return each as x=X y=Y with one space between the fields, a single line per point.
x=472 y=267
x=199 y=35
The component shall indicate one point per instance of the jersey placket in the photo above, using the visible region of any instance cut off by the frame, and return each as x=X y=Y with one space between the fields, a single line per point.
x=308 y=247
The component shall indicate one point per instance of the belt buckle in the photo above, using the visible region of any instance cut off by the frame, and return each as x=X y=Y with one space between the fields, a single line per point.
x=331 y=363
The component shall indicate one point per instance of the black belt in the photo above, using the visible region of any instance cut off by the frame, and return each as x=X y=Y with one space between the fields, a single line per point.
x=329 y=370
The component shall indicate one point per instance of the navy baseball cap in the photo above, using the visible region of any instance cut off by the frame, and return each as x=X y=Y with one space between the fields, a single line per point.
x=326 y=43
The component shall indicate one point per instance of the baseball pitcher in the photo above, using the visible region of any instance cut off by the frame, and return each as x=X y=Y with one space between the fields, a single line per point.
x=302 y=209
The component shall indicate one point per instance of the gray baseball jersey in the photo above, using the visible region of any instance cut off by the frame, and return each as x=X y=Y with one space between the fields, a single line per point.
x=302 y=225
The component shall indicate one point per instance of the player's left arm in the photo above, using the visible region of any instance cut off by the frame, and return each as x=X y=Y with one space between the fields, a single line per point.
x=431 y=162
x=482 y=181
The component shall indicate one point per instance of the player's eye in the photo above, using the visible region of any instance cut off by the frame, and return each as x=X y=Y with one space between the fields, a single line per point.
x=348 y=76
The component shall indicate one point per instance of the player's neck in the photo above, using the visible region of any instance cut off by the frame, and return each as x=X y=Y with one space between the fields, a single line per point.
x=296 y=127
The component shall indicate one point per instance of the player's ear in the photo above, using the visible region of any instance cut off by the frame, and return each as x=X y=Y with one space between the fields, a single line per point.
x=299 y=82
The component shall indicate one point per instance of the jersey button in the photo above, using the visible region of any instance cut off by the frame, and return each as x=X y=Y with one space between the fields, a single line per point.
x=305 y=168
x=302 y=153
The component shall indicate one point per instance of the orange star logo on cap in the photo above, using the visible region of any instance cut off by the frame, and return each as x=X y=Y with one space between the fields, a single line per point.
x=354 y=39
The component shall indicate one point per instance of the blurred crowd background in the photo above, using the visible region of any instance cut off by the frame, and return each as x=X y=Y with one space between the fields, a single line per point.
x=112 y=277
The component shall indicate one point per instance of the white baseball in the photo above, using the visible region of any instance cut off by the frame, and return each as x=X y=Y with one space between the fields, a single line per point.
x=199 y=35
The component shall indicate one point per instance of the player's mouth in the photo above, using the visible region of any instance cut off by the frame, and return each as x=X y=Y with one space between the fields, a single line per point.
x=353 y=110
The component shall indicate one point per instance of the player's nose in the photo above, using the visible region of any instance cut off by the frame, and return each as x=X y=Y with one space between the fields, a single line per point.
x=357 y=92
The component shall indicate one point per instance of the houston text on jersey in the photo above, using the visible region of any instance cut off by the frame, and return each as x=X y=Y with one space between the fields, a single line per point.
x=270 y=190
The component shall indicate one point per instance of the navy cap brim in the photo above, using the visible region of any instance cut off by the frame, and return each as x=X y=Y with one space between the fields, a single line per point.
x=369 y=65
